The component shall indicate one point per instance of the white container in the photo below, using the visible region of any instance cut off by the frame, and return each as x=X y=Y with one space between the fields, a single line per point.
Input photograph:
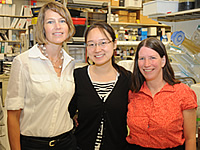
x=159 y=7
x=152 y=31
x=133 y=3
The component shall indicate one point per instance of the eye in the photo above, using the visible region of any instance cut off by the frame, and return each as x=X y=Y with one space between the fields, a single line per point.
x=91 y=44
x=152 y=57
x=141 y=58
x=49 y=22
x=63 y=21
x=103 y=43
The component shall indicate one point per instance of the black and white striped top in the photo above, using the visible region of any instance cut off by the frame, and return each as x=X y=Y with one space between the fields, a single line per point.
x=103 y=89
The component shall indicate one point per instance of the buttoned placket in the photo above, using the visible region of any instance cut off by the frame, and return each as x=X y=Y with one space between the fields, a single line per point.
x=57 y=86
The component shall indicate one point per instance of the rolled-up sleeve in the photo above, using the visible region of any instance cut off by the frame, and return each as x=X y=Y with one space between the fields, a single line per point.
x=16 y=86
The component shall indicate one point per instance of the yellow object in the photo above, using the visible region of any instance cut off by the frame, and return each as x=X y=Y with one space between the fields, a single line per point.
x=34 y=20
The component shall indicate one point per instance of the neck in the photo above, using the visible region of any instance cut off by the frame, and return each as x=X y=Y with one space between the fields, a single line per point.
x=103 y=73
x=155 y=86
x=102 y=69
x=53 y=51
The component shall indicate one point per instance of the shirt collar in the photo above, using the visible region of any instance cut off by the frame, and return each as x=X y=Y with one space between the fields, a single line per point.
x=35 y=52
x=166 y=88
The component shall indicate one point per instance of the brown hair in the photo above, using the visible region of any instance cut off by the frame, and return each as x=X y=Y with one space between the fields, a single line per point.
x=40 y=35
x=168 y=73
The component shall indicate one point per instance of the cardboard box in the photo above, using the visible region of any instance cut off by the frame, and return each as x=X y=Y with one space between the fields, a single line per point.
x=133 y=3
x=159 y=7
x=121 y=12
x=132 y=19
x=133 y=14
x=123 y=18
x=114 y=2
x=146 y=20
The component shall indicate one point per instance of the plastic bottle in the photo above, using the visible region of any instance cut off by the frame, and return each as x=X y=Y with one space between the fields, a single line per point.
x=132 y=51
x=128 y=52
x=116 y=18
x=121 y=34
x=118 y=51
x=126 y=35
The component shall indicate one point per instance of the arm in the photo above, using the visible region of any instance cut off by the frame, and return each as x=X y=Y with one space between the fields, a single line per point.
x=189 y=129
x=14 y=129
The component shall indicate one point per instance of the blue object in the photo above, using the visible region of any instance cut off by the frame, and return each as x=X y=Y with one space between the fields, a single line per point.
x=178 y=37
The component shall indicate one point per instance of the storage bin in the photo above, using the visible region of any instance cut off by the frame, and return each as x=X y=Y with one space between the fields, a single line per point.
x=133 y=3
x=80 y=30
x=78 y=21
x=160 y=7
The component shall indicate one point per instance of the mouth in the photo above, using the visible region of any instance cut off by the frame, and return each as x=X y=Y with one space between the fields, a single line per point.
x=98 y=56
x=58 y=33
x=148 y=70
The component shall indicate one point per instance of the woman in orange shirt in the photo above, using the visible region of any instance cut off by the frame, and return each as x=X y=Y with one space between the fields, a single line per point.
x=161 y=110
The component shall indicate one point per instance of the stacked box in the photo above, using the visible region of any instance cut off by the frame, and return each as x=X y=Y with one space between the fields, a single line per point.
x=114 y=2
x=123 y=15
x=121 y=12
x=132 y=17
x=123 y=18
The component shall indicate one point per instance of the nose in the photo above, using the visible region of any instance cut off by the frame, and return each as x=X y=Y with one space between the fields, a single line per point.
x=97 y=48
x=147 y=62
x=57 y=25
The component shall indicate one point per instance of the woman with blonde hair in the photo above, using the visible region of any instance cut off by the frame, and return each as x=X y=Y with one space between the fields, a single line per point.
x=41 y=86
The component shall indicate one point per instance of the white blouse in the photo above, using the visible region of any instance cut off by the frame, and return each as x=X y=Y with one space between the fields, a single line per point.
x=43 y=97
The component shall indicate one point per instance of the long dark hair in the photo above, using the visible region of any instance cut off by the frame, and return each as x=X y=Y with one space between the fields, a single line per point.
x=102 y=26
x=168 y=73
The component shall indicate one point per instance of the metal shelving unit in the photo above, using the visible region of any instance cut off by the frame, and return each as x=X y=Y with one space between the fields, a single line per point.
x=178 y=16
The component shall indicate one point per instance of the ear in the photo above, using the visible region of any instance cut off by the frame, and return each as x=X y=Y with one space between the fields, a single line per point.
x=115 y=44
x=163 y=61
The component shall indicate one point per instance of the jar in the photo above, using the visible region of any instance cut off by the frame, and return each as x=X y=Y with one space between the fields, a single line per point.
x=121 y=34
x=116 y=18
x=186 y=5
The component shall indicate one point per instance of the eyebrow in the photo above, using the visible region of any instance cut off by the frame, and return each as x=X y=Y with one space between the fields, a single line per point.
x=97 y=41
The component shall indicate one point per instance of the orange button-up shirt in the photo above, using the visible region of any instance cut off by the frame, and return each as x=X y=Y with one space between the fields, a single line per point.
x=157 y=122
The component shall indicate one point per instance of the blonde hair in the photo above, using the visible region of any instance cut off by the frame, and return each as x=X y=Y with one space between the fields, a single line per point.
x=40 y=35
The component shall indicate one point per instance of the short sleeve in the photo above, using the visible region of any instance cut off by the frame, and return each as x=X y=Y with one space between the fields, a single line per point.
x=15 y=91
x=188 y=97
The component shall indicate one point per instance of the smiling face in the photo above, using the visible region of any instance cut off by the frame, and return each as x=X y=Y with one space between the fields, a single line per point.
x=99 y=47
x=150 y=64
x=55 y=26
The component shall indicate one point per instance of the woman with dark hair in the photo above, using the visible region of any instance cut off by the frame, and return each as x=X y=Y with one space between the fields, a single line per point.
x=101 y=94
x=41 y=85
x=161 y=110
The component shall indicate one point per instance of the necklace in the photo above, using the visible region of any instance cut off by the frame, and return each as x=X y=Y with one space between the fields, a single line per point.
x=60 y=58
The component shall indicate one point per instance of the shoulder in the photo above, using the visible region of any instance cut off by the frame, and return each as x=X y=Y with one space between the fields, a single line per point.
x=186 y=95
x=125 y=73
x=182 y=87
x=80 y=71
